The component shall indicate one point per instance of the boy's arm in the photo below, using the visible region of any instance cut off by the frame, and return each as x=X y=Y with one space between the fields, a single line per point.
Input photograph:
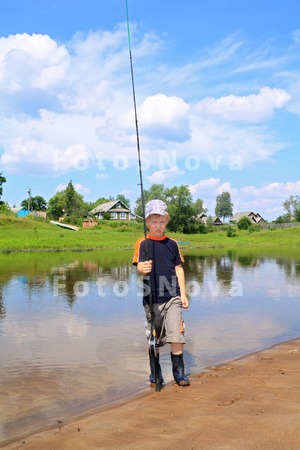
x=181 y=281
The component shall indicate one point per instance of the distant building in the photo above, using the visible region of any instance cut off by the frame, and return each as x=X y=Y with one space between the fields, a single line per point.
x=21 y=211
x=89 y=223
x=116 y=208
x=41 y=214
x=254 y=217
x=215 y=220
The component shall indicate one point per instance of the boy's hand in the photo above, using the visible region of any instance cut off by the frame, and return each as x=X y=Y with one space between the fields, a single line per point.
x=184 y=301
x=146 y=267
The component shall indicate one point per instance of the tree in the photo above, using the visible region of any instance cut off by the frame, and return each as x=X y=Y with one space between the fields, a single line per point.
x=92 y=205
x=244 y=223
x=68 y=204
x=291 y=205
x=123 y=199
x=297 y=214
x=223 y=205
x=155 y=191
x=2 y=180
x=38 y=203
x=56 y=206
x=199 y=208
x=73 y=204
x=181 y=209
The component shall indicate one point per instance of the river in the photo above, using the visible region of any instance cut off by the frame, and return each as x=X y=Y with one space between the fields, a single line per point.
x=72 y=325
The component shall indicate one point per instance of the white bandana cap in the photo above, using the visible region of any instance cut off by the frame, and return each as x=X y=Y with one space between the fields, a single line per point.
x=155 y=207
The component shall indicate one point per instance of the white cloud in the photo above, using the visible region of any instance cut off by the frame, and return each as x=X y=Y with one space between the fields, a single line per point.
x=31 y=62
x=77 y=186
x=164 y=116
x=211 y=184
x=280 y=190
x=266 y=199
x=254 y=108
x=161 y=176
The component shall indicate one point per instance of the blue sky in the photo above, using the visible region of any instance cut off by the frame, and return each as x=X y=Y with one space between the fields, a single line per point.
x=217 y=88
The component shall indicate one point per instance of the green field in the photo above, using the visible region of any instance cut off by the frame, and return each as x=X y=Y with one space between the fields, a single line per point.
x=34 y=235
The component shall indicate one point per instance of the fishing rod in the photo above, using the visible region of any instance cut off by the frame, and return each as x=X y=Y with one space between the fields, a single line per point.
x=153 y=346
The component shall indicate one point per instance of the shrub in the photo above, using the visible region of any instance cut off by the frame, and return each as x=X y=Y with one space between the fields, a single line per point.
x=230 y=231
x=254 y=228
x=244 y=223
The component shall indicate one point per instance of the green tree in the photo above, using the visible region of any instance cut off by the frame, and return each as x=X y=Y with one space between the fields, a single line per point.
x=199 y=208
x=38 y=203
x=224 y=205
x=2 y=180
x=123 y=199
x=73 y=204
x=68 y=204
x=155 y=191
x=181 y=209
x=291 y=205
x=283 y=219
x=209 y=224
x=244 y=223
x=56 y=206
x=297 y=214
x=92 y=205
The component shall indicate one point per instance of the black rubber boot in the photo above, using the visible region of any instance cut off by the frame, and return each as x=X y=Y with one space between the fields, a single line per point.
x=178 y=370
x=152 y=368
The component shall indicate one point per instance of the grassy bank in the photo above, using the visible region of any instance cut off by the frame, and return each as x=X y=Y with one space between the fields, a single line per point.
x=34 y=235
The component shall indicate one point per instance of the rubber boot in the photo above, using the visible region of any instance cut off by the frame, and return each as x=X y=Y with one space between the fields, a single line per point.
x=152 y=368
x=178 y=370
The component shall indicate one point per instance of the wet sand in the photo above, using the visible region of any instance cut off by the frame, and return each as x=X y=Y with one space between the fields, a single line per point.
x=251 y=403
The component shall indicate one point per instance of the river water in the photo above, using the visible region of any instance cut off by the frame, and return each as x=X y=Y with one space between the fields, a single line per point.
x=72 y=325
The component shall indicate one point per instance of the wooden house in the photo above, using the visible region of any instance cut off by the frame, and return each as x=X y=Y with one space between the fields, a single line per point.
x=254 y=217
x=215 y=220
x=21 y=211
x=116 y=209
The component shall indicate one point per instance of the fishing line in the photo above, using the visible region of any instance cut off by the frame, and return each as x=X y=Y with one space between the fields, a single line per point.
x=137 y=133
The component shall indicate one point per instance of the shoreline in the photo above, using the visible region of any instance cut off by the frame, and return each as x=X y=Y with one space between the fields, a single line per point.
x=250 y=402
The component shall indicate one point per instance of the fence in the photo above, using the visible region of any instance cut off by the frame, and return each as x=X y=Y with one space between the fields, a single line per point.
x=268 y=226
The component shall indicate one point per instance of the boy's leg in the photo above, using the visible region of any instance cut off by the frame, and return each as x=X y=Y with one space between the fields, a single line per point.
x=176 y=348
x=175 y=335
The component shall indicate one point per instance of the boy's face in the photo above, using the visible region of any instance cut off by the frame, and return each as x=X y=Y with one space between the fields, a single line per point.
x=157 y=225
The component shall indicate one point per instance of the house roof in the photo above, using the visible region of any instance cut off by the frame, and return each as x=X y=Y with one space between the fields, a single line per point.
x=110 y=206
x=238 y=215
x=18 y=208
x=254 y=216
x=214 y=219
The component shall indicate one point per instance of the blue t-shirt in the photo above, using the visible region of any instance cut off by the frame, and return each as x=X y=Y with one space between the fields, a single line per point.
x=165 y=255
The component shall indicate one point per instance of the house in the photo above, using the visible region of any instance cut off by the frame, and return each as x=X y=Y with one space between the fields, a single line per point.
x=21 y=211
x=215 y=220
x=116 y=208
x=254 y=217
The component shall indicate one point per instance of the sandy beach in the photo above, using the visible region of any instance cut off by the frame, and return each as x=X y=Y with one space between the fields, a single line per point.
x=251 y=403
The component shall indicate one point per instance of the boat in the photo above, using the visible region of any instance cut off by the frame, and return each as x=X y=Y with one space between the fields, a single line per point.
x=64 y=225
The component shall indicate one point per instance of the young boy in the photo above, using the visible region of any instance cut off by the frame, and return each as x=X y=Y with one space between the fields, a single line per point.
x=167 y=281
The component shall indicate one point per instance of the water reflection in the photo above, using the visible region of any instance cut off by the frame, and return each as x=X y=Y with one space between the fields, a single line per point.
x=72 y=333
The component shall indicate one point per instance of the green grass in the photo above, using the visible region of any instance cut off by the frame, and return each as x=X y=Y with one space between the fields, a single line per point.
x=35 y=235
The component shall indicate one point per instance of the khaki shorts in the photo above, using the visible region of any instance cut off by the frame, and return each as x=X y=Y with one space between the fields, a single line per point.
x=168 y=322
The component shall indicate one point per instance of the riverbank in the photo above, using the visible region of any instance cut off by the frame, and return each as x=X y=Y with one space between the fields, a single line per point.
x=34 y=235
x=251 y=403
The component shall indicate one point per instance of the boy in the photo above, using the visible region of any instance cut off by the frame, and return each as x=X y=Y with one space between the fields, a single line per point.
x=167 y=281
